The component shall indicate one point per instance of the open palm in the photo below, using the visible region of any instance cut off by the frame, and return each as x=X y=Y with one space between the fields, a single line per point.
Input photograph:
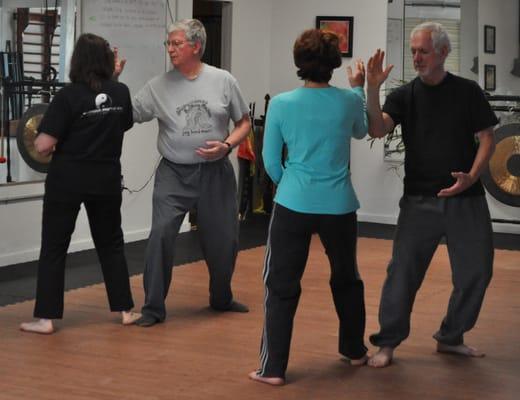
x=356 y=75
x=376 y=75
x=119 y=63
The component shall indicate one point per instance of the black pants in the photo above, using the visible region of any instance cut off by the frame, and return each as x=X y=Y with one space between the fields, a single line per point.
x=60 y=211
x=286 y=255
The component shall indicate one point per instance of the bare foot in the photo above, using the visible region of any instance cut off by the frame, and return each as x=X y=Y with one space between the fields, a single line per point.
x=129 y=317
x=382 y=358
x=43 y=326
x=357 y=362
x=271 y=380
x=460 y=349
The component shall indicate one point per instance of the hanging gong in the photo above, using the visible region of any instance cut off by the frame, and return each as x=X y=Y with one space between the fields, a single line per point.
x=502 y=176
x=26 y=134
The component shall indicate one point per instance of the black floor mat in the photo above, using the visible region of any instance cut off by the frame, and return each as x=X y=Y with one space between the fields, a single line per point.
x=18 y=282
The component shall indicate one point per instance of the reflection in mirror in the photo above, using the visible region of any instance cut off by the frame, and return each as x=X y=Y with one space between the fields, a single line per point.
x=485 y=41
x=30 y=36
x=499 y=52
x=405 y=15
x=465 y=21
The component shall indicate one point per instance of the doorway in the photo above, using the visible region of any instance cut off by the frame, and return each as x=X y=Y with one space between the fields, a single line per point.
x=216 y=17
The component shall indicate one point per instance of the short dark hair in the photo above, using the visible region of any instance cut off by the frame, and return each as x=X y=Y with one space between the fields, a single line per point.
x=316 y=55
x=92 y=61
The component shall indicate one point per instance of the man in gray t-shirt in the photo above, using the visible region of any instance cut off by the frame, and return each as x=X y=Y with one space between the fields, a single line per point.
x=193 y=104
x=190 y=112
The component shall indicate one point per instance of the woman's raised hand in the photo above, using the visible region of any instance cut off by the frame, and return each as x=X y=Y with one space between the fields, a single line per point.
x=119 y=63
x=356 y=76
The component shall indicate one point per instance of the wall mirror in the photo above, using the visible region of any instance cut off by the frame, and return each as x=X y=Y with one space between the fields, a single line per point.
x=486 y=48
x=35 y=38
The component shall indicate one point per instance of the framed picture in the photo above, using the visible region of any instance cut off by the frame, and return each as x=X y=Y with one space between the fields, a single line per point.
x=341 y=26
x=489 y=77
x=489 y=39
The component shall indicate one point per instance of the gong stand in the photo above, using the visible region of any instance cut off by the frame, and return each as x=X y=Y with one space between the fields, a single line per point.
x=501 y=177
x=499 y=98
x=15 y=89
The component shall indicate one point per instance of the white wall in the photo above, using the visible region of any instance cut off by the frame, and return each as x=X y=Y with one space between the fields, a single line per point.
x=378 y=188
x=251 y=51
x=291 y=17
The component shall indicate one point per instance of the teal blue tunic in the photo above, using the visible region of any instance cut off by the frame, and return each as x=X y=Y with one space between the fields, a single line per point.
x=316 y=125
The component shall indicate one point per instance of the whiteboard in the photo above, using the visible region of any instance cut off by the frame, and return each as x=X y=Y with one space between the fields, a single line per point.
x=137 y=28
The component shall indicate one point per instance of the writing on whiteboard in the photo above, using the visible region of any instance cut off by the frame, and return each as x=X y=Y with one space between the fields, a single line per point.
x=129 y=14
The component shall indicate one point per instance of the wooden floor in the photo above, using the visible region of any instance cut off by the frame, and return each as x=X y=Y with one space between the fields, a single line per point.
x=199 y=354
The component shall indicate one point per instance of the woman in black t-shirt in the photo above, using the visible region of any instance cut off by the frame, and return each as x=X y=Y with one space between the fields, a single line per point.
x=83 y=128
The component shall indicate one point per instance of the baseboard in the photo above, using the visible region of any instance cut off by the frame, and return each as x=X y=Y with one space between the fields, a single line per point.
x=392 y=220
x=77 y=245
x=500 y=227
x=377 y=218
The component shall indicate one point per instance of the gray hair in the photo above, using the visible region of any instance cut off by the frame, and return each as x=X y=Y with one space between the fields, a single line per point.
x=194 y=31
x=438 y=34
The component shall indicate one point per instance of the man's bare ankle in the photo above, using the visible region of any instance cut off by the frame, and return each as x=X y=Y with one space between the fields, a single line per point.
x=382 y=358
x=460 y=349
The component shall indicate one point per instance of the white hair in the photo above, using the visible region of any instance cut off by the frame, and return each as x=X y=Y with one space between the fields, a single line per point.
x=194 y=31
x=438 y=34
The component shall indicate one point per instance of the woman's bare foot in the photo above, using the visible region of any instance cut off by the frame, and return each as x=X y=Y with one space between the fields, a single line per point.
x=271 y=380
x=357 y=362
x=43 y=326
x=460 y=349
x=129 y=317
x=382 y=358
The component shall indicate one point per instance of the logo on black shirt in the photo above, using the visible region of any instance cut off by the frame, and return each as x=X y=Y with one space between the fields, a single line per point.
x=103 y=104
x=103 y=100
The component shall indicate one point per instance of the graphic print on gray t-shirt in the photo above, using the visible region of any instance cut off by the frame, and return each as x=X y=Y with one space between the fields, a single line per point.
x=198 y=117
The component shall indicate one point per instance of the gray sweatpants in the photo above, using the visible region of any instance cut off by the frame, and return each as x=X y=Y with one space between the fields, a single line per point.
x=423 y=222
x=211 y=187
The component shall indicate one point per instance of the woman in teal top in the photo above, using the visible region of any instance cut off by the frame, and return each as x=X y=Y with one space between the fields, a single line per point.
x=314 y=195
x=316 y=124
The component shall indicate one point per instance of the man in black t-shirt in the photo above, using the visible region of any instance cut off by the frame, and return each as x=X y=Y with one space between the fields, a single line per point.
x=442 y=116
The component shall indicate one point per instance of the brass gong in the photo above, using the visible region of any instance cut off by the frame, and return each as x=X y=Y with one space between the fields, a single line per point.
x=502 y=177
x=26 y=134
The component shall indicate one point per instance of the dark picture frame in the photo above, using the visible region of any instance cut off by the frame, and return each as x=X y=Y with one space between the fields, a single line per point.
x=341 y=26
x=490 y=73
x=489 y=39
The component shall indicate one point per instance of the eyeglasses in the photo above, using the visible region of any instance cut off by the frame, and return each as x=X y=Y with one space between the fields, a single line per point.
x=174 y=43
